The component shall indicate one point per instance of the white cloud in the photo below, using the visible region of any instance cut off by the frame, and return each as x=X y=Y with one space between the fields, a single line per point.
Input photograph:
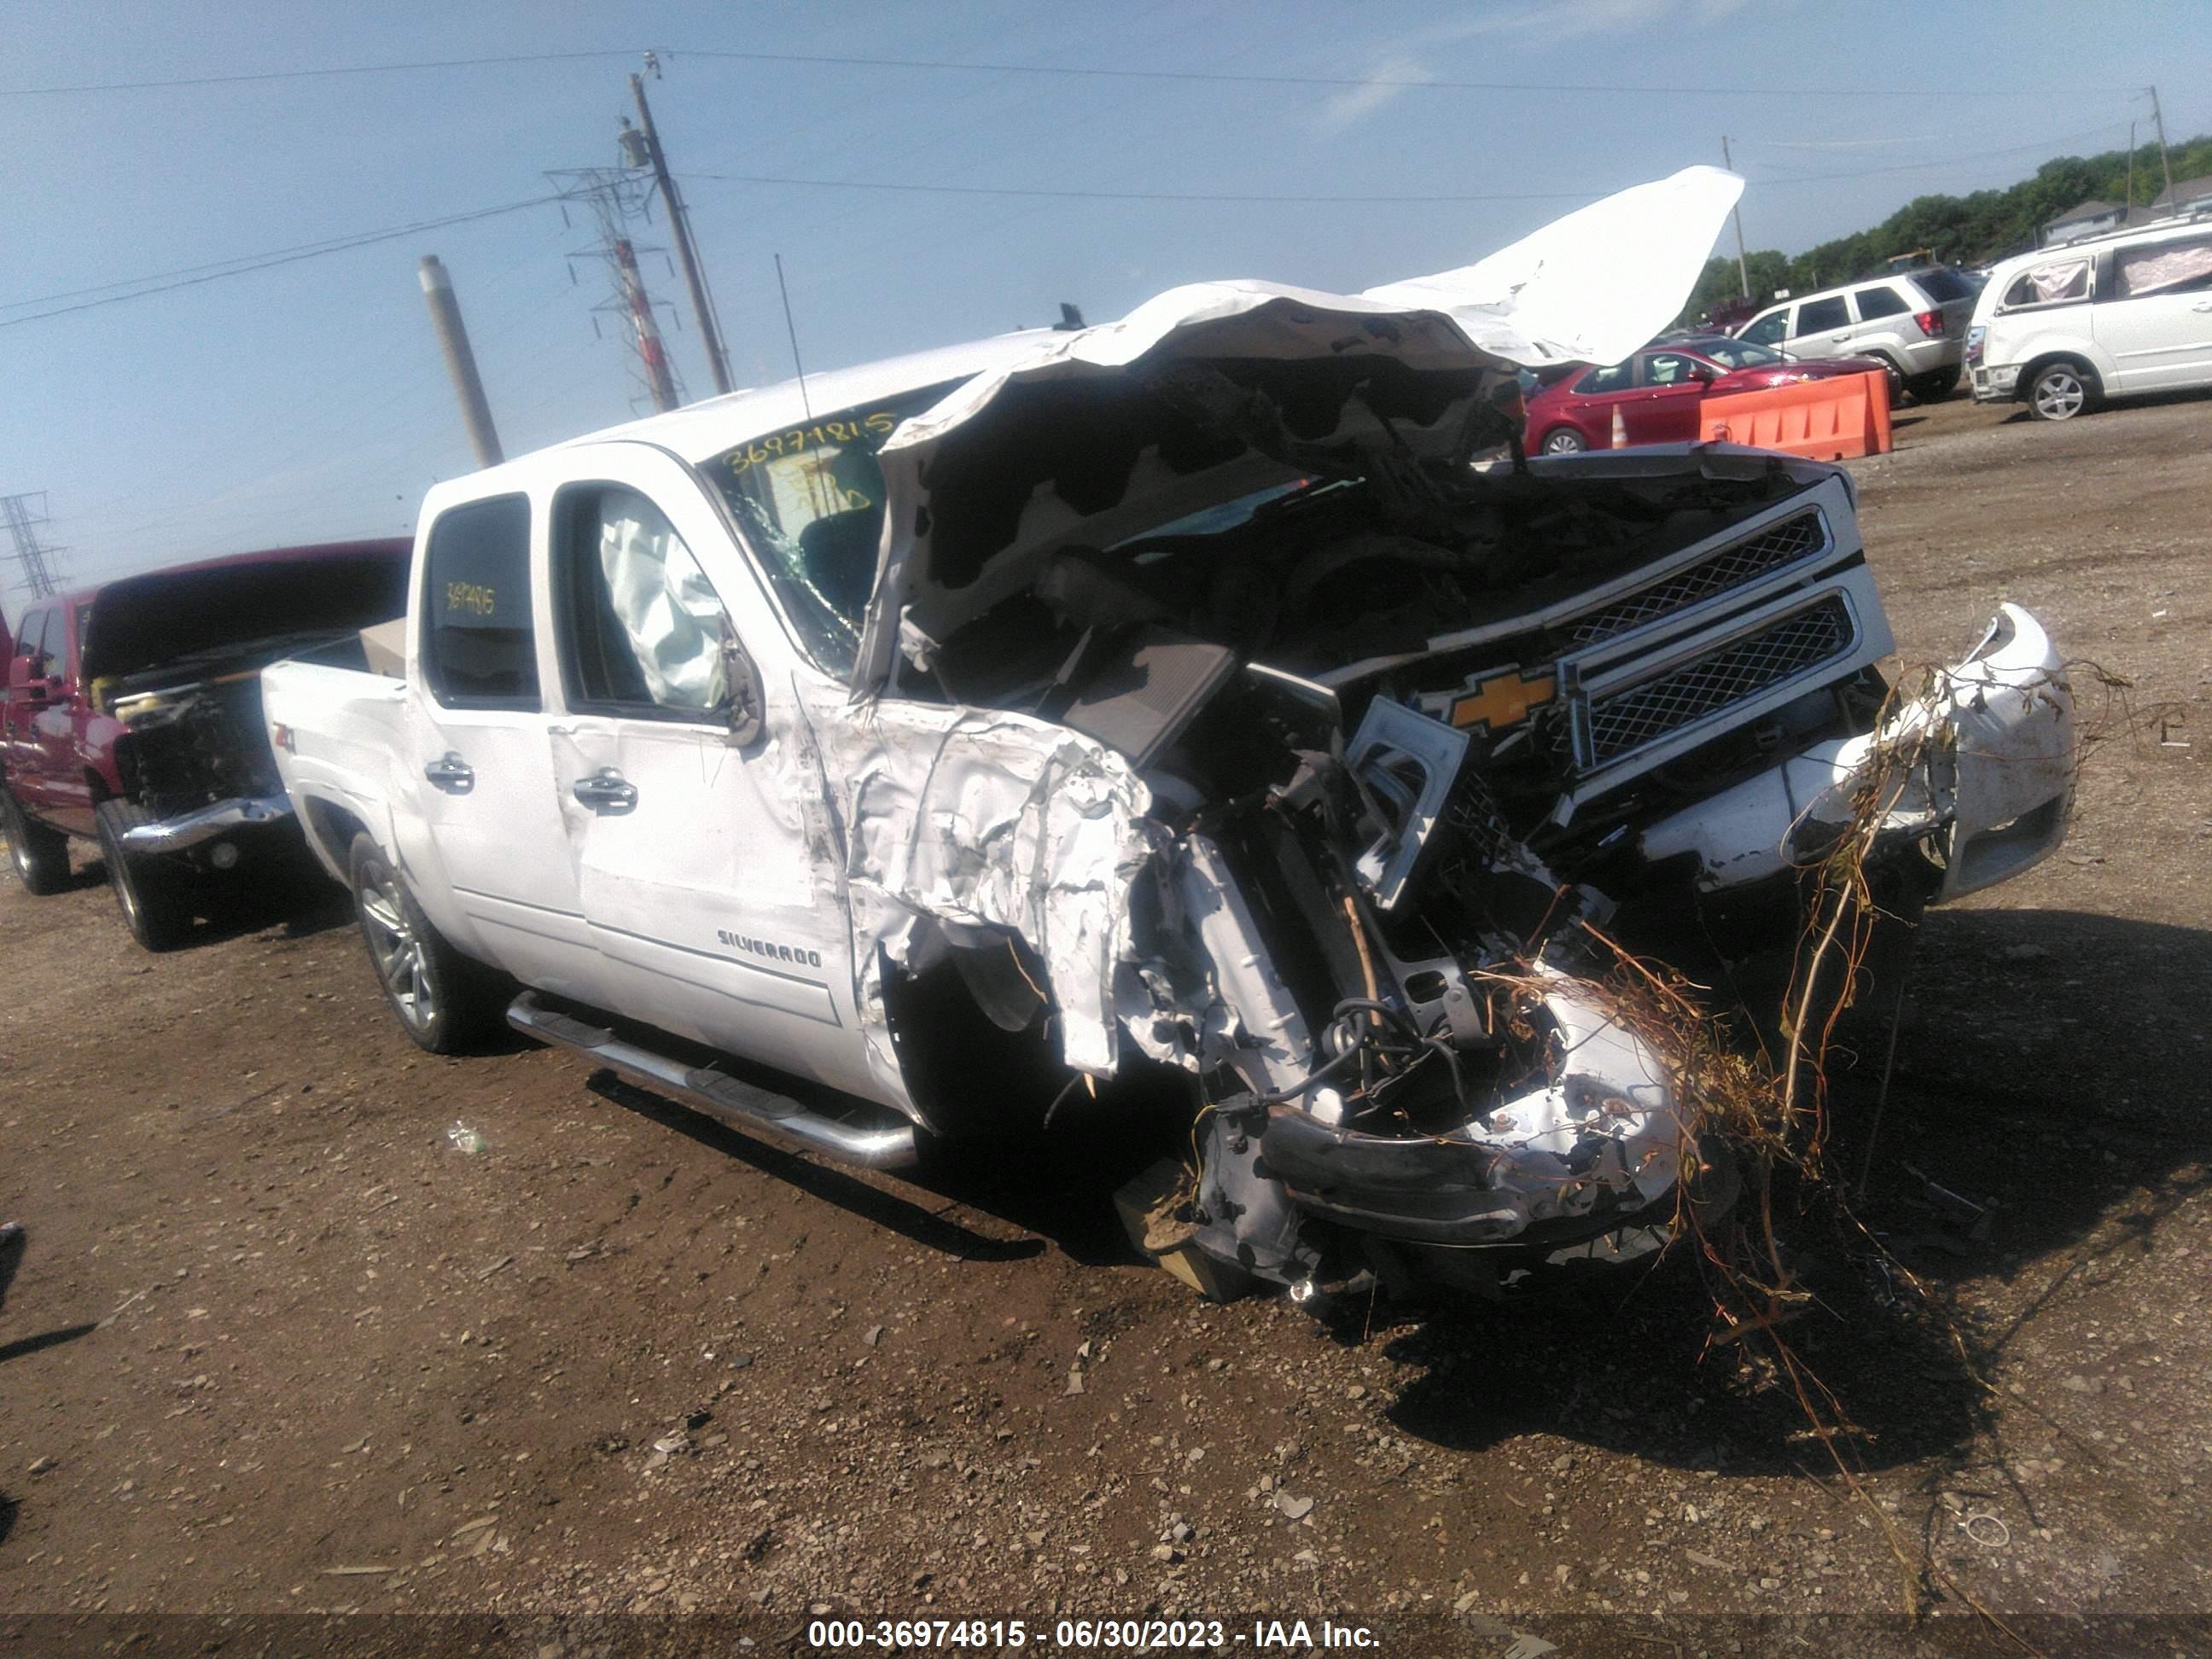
x=1542 y=20
x=1356 y=103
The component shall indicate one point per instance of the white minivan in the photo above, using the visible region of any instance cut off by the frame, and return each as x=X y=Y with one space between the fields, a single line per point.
x=2064 y=328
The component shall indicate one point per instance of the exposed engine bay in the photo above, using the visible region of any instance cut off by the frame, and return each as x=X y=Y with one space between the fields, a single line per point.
x=1423 y=742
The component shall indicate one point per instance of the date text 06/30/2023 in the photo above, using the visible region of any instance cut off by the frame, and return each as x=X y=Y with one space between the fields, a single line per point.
x=1086 y=1635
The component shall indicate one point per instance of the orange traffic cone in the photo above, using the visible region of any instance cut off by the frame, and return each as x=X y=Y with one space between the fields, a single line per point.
x=1620 y=429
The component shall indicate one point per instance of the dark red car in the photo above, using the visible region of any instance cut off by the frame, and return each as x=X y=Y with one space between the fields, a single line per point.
x=131 y=716
x=1657 y=393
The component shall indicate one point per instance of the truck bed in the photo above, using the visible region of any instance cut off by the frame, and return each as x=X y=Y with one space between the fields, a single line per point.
x=339 y=726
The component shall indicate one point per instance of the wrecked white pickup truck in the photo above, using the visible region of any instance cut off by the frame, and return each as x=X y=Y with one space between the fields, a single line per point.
x=1173 y=698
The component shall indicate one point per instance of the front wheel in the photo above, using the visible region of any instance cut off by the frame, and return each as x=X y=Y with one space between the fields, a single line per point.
x=2061 y=390
x=1562 y=441
x=152 y=889
x=447 y=1003
x=40 y=854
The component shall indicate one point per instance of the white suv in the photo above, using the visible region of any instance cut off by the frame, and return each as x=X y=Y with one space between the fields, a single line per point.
x=1914 y=322
x=2064 y=328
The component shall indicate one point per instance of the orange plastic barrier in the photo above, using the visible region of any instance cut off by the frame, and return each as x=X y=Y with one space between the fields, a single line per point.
x=1830 y=420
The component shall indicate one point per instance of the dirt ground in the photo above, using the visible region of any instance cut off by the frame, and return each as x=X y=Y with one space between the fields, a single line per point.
x=273 y=1343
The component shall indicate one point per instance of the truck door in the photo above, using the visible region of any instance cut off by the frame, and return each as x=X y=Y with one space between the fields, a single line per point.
x=715 y=917
x=26 y=690
x=493 y=871
x=58 y=728
x=40 y=770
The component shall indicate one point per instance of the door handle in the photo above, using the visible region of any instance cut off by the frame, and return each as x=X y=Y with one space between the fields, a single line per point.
x=607 y=792
x=450 y=773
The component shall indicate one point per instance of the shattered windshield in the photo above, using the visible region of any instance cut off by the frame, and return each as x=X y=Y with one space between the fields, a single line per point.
x=810 y=499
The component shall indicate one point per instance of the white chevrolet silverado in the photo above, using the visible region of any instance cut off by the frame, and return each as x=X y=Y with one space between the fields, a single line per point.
x=1170 y=704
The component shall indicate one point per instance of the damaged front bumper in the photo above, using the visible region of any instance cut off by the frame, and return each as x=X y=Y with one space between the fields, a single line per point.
x=1577 y=1141
x=205 y=823
x=1977 y=769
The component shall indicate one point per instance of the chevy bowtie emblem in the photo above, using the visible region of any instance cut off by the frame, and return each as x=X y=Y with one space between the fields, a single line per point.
x=1503 y=701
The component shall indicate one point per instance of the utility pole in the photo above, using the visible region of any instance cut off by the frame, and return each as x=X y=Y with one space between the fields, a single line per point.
x=2165 y=166
x=1742 y=269
x=687 y=254
x=650 y=351
x=2131 y=203
x=460 y=361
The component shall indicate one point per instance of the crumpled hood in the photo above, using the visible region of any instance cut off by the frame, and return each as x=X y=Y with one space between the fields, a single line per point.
x=1061 y=447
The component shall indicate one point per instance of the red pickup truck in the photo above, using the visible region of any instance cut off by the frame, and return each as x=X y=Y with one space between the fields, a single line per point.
x=133 y=717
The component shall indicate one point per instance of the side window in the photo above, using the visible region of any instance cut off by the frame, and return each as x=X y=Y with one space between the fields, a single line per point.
x=479 y=645
x=1874 y=302
x=1618 y=377
x=642 y=629
x=1665 y=368
x=2057 y=283
x=1817 y=316
x=2182 y=267
x=33 y=644
x=1769 y=330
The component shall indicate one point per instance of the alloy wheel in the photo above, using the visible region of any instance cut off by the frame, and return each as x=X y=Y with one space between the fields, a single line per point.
x=2059 y=394
x=400 y=962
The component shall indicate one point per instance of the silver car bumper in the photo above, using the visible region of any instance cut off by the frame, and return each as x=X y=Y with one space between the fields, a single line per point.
x=206 y=823
x=1997 y=385
x=1980 y=766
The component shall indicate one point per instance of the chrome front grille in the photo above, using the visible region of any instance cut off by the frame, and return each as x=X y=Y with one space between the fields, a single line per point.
x=1773 y=547
x=1638 y=716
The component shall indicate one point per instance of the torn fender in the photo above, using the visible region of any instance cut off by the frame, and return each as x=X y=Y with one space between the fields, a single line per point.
x=1981 y=764
x=980 y=823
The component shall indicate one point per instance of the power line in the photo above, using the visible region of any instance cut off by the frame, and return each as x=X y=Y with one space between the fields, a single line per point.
x=311 y=74
x=1409 y=82
x=192 y=276
x=1130 y=195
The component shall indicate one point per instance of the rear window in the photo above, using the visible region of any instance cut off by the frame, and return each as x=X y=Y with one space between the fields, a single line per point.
x=1616 y=377
x=480 y=643
x=1943 y=285
x=1880 y=302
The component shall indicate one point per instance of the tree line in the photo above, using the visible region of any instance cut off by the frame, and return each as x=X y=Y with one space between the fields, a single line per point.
x=1955 y=230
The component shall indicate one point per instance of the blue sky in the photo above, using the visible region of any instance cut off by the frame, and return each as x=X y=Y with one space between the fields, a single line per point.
x=308 y=401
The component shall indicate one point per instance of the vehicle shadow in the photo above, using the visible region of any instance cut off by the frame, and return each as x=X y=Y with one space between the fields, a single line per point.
x=932 y=1229
x=2043 y=1114
x=1056 y=1182
x=13 y=1248
x=302 y=903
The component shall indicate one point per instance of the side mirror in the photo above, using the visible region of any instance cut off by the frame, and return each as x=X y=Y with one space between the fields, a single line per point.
x=1704 y=372
x=747 y=704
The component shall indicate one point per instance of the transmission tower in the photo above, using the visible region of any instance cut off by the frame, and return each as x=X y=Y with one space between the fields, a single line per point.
x=614 y=197
x=40 y=565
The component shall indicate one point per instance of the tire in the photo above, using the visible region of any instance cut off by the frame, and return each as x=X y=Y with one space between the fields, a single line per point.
x=1896 y=378
x=1562 y=441
x=153 y=891
x=1934 y=386
x=446 y=1002
x=2062 y=389
x=40 y=854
